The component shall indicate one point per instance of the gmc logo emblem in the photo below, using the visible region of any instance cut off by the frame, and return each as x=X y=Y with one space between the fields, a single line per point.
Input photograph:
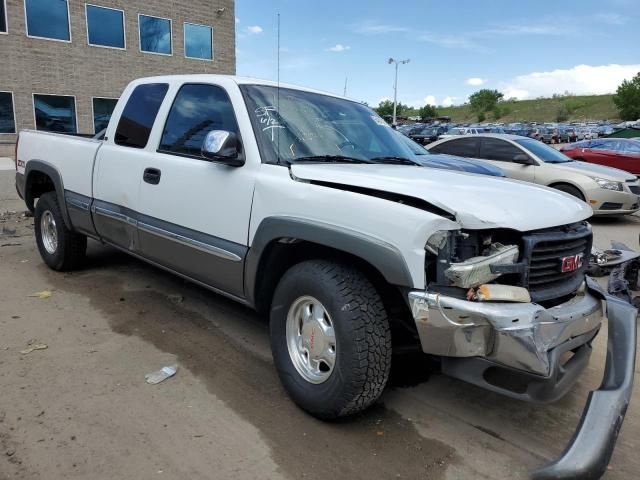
x=572 y=263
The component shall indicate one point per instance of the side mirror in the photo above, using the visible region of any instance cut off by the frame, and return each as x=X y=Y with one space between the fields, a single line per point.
x=223 y=147
x=522 y=159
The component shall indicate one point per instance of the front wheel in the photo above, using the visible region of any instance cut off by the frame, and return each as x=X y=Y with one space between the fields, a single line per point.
x=330 y=338
x=60 y=248
x=571 y=191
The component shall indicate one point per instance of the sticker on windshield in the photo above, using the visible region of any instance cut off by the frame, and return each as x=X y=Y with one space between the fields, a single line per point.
x=267 y=119
x=378 y=120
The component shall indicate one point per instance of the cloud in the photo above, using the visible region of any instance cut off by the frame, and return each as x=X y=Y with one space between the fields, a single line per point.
x=580 y=80
x=429 y=100
x=448 y=101
x=254 y=29
x=237 y=20
x=528 y=29
x=374 y=28
x=475 y=81
x=339 y=48
x=450 y=41
x=610 y=18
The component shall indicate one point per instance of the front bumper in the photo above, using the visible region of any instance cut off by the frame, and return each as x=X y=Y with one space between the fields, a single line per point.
x=519 y=336
x=610 y=202
x=587 y=455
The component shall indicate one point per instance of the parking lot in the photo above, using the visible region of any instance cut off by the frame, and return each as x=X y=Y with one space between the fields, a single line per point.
x=81 y=408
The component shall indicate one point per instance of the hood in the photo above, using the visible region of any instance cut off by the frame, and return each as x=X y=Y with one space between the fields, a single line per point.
x=467 y=165
x=476 y=202
x=594 y=170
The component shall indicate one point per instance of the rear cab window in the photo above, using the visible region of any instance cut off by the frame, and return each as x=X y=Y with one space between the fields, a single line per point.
x=139 y=115
x=197 y=110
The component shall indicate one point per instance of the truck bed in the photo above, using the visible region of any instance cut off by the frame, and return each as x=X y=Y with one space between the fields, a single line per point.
x=72 y=155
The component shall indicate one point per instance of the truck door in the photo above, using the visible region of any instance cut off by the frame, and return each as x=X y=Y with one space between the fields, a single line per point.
x=120 y=165
x=195 y=214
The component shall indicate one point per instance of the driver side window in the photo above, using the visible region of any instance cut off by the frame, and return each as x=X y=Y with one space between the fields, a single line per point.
x=196 y=110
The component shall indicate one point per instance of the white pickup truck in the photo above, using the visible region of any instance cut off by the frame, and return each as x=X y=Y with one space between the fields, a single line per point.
x=309 y=207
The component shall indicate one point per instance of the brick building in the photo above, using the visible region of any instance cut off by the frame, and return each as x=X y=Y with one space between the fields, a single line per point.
x=63 y=63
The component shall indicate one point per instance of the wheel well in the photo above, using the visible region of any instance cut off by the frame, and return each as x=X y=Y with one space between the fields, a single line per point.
x=38 y=183
x=565 y=184
x=281 y=254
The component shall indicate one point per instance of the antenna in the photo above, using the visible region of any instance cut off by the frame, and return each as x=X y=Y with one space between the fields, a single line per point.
x=345 y=86
x=278 y=53
x=278 y=89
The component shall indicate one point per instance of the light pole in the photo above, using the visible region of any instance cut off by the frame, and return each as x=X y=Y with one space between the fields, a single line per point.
x=395 y=86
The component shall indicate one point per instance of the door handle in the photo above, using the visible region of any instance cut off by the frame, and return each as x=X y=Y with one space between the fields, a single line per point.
x=152 y=176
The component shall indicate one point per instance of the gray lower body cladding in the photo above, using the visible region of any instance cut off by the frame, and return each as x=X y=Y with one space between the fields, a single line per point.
x=208 y=260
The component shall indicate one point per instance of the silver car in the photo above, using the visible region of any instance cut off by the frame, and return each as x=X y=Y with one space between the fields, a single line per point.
x=607 y=190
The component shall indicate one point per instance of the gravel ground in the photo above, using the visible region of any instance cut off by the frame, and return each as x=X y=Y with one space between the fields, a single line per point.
x=81 y=409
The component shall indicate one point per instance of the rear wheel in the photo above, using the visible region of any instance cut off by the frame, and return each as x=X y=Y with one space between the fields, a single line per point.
x=60 y=248
x=571 y=190
x=330 y=338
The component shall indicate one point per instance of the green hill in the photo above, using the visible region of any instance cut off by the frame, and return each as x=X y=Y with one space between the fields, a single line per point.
x=577 y=108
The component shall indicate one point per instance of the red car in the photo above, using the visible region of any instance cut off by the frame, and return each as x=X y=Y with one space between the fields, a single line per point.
x=619 y=153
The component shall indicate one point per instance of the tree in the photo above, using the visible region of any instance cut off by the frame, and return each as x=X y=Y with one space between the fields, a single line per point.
x=428 y=111
x=484 y=101
x=562 y=114
x=627 y=99
x=386 y=108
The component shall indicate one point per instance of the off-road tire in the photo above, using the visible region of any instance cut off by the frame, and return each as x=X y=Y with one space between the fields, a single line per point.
x=71 y=246
x=363 y=338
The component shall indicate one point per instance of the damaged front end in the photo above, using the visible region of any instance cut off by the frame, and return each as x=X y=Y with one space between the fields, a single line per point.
x=515 y=313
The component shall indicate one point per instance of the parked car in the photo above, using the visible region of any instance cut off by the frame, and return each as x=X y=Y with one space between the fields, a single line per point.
x=448 y=162
x=314 y=211
x=619 y=153
x=537 y=133
x=426 y=135
x=410 y=128
x=548 y=135
x=572 y=136
x=461 y=131
x=609 y=191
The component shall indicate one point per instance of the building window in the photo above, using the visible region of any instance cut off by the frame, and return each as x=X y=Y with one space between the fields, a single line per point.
x=48 y=19
x=198 y=41
x=3 y=16
x=55 y=113
x=7 y=114
x=155 y=35
x=187 y=126
x=136 y=121
x=105 y=27
x=102 y=110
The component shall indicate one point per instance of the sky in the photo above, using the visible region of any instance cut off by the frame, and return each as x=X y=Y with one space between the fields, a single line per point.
x=524 y=49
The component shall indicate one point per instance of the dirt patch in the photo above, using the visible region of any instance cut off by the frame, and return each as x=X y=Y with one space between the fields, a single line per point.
x=376 y=444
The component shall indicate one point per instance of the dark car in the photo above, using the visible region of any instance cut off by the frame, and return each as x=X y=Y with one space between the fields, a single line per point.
x=619 y=153
x=426 y=135
x=571 y=135
x=409 y=129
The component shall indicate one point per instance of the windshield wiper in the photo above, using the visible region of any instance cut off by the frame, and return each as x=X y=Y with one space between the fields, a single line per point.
x=328 y=159
x=394 y=160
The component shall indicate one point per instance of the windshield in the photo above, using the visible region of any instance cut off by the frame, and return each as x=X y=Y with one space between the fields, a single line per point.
x=544 y=152
x=291 y=125
x=415 y=147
